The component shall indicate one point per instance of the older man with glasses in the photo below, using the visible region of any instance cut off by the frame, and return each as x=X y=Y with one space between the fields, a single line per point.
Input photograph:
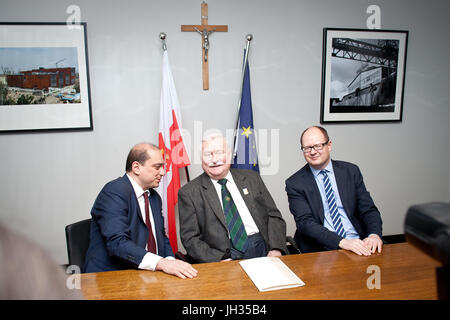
x=331 y=206
x=228 y=214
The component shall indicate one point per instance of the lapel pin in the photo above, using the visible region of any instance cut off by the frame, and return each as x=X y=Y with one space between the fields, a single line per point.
x=245 y=191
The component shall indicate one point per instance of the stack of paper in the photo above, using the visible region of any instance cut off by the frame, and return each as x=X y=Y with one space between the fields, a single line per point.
x=270 y=273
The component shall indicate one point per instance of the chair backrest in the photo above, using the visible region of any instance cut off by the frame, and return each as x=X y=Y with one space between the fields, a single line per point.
x=77 y=238
x=292 y=246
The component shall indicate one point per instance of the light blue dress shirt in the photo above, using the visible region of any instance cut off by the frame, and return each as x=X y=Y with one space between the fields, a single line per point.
x=350 y=231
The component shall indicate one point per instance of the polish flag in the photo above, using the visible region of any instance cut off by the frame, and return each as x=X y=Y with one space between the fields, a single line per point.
x=172 y=147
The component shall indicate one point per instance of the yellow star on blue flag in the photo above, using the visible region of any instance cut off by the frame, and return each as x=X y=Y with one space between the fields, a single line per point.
x=246 y=131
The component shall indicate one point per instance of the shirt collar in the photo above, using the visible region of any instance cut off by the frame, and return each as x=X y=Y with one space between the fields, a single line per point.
x=328 y=169
x=137 y=188
x=229 y=178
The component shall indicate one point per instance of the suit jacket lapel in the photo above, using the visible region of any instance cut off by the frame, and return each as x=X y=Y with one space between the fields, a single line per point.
x=156 y=213
x=136 y=202
x=212 y=198
x=135 y=210
x=156 y=209
x=315 y=194
x=242 y=183
x=342 y=185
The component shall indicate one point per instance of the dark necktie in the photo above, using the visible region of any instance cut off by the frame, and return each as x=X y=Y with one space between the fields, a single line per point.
x=234 y=222
x=332 y=205
x=151 y=244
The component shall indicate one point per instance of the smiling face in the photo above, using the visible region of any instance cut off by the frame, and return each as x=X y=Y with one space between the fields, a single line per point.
x=216 y=157
x=317 y=159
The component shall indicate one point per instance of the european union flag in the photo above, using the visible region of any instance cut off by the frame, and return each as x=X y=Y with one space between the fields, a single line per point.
x=245 y=156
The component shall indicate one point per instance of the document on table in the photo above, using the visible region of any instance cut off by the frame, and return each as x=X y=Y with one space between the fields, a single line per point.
x=270 y=273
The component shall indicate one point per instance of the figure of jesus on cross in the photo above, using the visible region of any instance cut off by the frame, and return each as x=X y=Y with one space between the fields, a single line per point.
x=205 y=30
x=205 y=34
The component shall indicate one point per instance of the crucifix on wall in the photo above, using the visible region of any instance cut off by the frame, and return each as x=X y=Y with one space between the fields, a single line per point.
x=205 y=30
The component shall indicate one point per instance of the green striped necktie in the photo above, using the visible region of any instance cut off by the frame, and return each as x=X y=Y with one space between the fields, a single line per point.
x=233 y=219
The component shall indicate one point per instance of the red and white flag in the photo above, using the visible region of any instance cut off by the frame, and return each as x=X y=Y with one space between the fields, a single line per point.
x=173 y=149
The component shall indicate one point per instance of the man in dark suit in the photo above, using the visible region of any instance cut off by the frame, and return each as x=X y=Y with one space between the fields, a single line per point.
x=330 y=203
x=127 y=229
x=207 y=230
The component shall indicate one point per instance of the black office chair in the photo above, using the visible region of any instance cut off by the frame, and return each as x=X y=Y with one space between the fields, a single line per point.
x=77 y=238
x=292 y=246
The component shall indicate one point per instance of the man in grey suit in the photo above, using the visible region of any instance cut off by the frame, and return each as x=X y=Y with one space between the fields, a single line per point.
x=207 y=230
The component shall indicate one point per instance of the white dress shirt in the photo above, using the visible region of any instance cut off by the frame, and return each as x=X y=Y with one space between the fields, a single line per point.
x=150 y=260
x=247 y=219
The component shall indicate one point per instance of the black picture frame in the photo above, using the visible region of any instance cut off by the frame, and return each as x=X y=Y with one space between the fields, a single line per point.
x=363 y=75
x=44 y=77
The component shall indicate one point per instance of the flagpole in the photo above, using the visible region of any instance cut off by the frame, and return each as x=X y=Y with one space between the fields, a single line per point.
x=163 y=36
x=249 y=38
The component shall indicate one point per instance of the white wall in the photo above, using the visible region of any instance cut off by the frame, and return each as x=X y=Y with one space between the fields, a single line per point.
x=49 y=180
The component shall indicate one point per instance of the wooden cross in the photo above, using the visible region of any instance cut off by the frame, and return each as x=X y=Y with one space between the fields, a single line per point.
x=205 y=30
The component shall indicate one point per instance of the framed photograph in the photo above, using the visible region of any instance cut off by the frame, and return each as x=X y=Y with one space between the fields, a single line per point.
x=363 y=75
x=44 y=77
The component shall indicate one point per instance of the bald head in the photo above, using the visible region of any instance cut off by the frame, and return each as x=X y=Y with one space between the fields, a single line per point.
x=145 y=165
x=315 y=128
x=140 y=153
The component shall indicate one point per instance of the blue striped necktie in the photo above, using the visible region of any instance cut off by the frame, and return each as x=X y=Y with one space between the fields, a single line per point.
x=332 y=205
x=235 y=225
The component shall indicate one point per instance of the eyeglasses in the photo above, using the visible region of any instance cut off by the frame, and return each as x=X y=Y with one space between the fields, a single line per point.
x=317 y=147
x=218 y=153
